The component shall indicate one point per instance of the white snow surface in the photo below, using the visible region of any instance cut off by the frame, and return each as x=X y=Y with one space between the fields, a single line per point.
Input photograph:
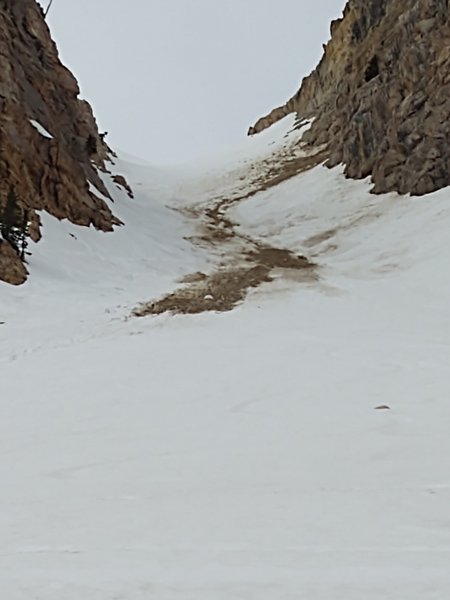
x=41 y=129
x=97 y=192
x=235 y=455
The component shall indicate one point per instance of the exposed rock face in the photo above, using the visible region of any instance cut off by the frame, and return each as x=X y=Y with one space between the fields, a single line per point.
x=380 y=95
x=50 y=163
x=12 y=269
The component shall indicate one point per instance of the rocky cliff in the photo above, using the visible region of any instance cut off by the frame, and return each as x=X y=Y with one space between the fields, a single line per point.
x=50 y=147
x=380 y=96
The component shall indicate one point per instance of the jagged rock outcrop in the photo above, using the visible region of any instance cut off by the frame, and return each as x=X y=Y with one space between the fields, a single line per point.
x=50 y=147
x=12 y=269
x=380 y=96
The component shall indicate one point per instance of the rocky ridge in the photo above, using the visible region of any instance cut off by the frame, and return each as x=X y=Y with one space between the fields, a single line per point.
x=50 y=146
x=380 y=96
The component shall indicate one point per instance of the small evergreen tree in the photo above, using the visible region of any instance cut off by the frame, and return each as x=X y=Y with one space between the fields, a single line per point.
x=24 y=234
x=14 y=224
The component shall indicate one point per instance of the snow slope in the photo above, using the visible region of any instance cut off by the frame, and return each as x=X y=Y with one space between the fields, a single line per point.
x=232 y=455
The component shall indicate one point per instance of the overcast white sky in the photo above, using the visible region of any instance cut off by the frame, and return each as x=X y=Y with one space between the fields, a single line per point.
x=175 y=79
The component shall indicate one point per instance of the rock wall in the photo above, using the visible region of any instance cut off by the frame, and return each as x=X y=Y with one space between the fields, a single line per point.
x=380 y=96
x=47 y=172
x=12 y=269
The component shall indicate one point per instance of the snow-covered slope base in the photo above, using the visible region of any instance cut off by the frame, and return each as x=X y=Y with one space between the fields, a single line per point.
x=240 y=454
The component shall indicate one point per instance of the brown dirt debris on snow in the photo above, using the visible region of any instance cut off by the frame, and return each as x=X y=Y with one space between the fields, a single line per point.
x=225 y=288
x=247 y=262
